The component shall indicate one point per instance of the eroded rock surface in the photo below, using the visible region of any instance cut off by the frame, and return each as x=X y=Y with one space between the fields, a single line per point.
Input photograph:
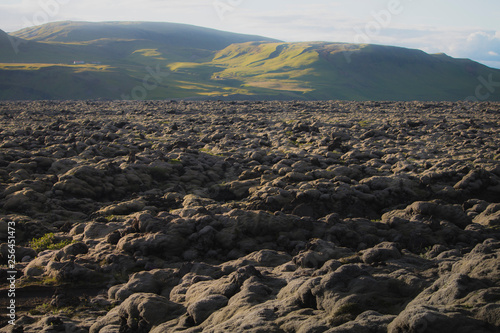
x=253 y=217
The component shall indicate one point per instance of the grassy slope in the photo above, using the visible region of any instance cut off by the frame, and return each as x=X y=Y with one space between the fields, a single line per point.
x=65 y=82
x=335 y=71
x=248 y=69
x=129 y=50
x=253 y=69
x=45 y=70
x=381 y=72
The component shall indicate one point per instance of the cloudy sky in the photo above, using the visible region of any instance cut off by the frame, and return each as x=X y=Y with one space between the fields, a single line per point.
x=459 y=28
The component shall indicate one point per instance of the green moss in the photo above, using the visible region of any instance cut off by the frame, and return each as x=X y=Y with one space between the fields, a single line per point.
x=50 y=309
x=304 y=144
x=48 y=242
x=364 y=123
x=209 y=152
x=424 y=252
x=41 y=310
x=69 y=311
x=110 y=218
x=50 y=281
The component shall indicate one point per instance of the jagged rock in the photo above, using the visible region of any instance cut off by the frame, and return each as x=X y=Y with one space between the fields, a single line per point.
x=123 y=208
x=39 y=265
x=203 y=308
x=95 y=230
x=139 y=313
x=24 y=199
x=146 y=282
x=72 y=250
x=262 y=258
x=320 y=251
x=276 y=225
x=428 y=319
x=18 y=251
x=367 y=322
x=490 y=216
x=158 y=244
x=452 y=213
x=381 y=252
x=69 y=271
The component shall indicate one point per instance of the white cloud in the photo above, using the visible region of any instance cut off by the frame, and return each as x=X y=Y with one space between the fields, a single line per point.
x=479 y=45
x=295 y=23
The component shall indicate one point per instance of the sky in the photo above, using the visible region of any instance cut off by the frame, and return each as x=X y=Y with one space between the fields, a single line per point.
x=459 y=28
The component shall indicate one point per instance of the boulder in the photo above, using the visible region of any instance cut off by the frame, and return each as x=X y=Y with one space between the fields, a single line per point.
x=380 y=253
x=138 y=313
x=490 y=217
x=418 y=319
x=202 y=309
x=451 y=213
x=123 y=208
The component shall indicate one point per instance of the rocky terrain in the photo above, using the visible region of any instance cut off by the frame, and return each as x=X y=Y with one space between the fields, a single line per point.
x=252 y=217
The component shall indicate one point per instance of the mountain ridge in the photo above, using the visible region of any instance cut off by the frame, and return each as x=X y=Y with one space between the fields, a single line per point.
x=174 y=33
x=114 y=59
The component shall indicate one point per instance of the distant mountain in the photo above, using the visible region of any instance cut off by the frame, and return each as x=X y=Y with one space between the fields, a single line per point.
x=6 y=48
x=147 y=60
x=3 y=38
x=173 y=34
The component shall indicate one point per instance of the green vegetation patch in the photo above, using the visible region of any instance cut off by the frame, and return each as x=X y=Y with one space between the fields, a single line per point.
x=48 y=242
x=164 y=60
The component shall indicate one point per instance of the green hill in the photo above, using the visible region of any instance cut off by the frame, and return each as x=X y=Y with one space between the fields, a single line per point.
x=341 y=71
x=172 y=34
x=166 y=61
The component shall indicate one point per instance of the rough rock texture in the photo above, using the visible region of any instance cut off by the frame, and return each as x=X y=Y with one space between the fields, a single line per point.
x=252 y=217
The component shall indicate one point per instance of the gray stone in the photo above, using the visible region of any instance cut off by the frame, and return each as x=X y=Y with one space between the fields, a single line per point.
x=203 y=308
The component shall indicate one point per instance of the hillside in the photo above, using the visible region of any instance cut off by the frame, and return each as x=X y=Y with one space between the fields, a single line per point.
x=342 y=71
x=121 y=59
x=173 y=34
